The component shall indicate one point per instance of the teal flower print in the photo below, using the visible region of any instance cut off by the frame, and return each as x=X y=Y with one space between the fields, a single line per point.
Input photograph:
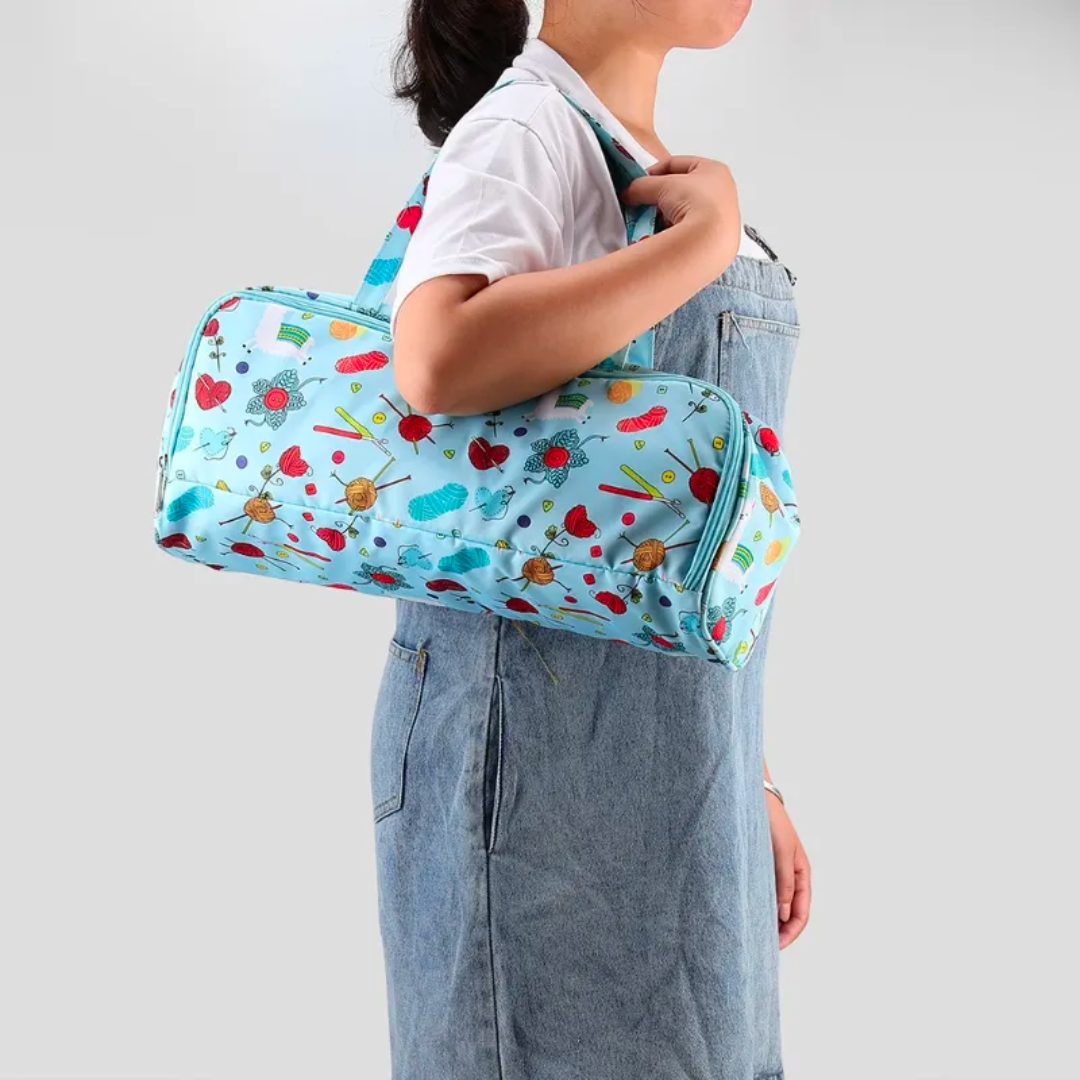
x=385 y=577
x=555 y=457
x=275 y=398
x=664 y=642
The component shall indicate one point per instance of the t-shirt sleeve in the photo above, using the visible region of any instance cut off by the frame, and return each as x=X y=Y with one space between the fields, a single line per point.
x=495 y=206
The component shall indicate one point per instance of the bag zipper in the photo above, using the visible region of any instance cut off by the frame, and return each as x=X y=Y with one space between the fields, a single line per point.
x=720 y=513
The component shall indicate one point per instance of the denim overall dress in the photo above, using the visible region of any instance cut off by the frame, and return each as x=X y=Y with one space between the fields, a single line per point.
x=575 y=873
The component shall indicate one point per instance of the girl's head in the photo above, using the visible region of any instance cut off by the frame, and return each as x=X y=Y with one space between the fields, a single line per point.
x=454 y=50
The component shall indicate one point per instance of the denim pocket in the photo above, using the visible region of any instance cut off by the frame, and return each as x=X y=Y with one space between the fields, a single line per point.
x=493 y=765
x=396 y=709
x=755 y=363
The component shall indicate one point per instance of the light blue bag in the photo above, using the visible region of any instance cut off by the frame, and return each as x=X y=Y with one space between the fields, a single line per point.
x=628 y=503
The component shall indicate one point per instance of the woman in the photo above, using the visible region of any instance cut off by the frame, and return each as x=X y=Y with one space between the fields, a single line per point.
x=576 y=878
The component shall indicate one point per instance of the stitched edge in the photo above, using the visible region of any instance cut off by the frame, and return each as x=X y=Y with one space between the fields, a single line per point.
x=402 y=652
x=496 y=797
x=385 y=807
x=487 y=890
x=772 y=326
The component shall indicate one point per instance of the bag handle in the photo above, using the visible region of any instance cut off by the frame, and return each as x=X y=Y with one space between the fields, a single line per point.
x=640 y=223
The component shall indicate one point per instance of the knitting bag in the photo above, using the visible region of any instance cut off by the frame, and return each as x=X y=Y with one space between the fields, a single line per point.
x=628 y=504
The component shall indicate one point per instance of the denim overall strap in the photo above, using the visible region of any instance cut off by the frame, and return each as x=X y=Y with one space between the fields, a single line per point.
x=640 y=221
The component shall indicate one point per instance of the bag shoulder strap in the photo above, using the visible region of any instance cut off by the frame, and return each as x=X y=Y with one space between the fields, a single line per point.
x=640 y=221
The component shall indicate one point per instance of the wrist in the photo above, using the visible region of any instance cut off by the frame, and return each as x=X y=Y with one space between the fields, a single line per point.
x=713 y=240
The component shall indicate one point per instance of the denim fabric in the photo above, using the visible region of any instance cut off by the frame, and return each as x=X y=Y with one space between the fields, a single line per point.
x=575 y=875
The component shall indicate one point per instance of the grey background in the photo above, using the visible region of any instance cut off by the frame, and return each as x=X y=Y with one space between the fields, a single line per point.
x=187 y=880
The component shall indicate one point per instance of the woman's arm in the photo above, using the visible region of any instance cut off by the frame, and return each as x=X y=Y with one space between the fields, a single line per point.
x=462 y=346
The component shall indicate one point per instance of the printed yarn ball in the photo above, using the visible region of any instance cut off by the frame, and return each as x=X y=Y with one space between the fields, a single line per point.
x=704 y=484
x=260 y=510
x=341 y=330
x=414 y=427
x=517 y=603
x=649 y=554
x=360 y=494
x=538 y=570
x=621 y=390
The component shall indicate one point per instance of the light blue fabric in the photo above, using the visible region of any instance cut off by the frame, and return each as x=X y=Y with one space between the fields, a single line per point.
x=575 y=875
x=638 y=505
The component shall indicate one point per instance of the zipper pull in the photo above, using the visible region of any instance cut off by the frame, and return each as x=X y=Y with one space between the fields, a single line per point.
x=163 y=467
x=760 y=241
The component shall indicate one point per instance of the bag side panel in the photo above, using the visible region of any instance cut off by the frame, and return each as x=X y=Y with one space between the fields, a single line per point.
x=764 y=529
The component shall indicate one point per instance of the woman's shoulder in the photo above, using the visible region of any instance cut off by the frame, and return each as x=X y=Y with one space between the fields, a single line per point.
x=520 y=109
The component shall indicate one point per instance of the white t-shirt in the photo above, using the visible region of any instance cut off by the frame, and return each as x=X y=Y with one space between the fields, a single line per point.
x=521 y=183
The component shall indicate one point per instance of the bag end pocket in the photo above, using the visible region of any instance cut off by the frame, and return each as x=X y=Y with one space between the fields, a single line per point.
x=743 y=573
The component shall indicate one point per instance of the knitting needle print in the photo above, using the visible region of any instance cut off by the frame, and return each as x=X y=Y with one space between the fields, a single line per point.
x=359 y=432
x=259 y=507
x=703 y=480
x=648 y=492
x=558 y=611
x=251 y=551
x=650 y=554
x=413 y=427
x=539 y=570
x=361 y=493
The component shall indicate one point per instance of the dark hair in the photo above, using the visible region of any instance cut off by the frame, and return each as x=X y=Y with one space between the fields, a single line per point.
x=451 y=54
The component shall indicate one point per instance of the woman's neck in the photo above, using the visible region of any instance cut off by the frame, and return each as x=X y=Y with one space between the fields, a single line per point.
x=622 y=74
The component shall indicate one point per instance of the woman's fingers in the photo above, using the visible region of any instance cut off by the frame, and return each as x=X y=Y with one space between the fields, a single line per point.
x=794 y=925
x=645 y=190
x=785 y=882
x=680 y=163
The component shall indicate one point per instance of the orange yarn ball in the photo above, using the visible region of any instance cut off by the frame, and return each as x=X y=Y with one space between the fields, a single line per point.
x=260 y=510
x=341 y=330
x=538 y=570
x=649 y=554
x=360 y=494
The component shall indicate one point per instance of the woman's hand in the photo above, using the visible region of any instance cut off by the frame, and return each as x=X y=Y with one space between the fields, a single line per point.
x=792 y=873
x=695 y=190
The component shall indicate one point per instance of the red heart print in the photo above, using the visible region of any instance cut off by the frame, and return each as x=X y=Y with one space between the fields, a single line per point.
x=209 y=393
x=409 y=218
x=292 y=463
x=577 y=523
x=484 y=455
